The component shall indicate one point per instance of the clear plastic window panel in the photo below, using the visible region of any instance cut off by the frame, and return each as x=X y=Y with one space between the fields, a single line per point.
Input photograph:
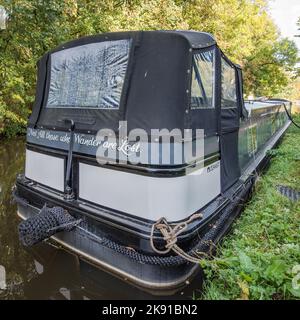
x=203 y=75
x=229 y=98
x=89 y=76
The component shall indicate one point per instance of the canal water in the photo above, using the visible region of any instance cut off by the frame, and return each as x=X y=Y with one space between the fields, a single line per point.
x=44 y=271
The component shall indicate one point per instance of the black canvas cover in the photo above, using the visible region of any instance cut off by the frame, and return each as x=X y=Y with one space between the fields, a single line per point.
x=51 y=109
x=204 y=91
x=146 y=73
x=230 y=169
x=243 y=110
x=231 y=106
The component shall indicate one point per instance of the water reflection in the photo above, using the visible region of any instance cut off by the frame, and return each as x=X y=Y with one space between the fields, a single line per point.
x=44 y=271
x=17 y=263
x=62 y=275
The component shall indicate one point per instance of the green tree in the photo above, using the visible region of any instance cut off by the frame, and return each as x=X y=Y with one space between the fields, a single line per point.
x=33 y=28
x=243 y=29
x=270 y=68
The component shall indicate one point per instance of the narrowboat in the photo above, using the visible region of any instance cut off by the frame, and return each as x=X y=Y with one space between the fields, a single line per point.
x=141 y=152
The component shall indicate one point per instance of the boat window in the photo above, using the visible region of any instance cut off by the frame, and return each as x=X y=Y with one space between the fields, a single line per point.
x=228 y=95
x=202 y=90
x=89 y=76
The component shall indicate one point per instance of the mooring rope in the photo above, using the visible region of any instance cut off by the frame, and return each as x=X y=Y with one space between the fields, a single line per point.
x=170 y=234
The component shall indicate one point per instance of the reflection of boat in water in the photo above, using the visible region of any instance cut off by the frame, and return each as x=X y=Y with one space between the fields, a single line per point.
x=116 y=193
x=64 y=276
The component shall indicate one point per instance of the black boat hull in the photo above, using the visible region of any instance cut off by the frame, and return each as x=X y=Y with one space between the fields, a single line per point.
x=158 y=275
x=158 y=278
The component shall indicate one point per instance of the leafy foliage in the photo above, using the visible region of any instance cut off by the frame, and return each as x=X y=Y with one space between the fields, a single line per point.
x=259 y=259
x=268 y=68
x=243 y=29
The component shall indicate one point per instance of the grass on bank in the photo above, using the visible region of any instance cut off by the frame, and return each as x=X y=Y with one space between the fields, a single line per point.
x=260 y=259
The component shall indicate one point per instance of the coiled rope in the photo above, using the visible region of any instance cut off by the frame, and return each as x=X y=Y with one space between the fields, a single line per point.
x=170 y=234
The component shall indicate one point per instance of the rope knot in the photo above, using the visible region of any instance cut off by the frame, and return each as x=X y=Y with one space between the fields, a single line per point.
x=170 y=234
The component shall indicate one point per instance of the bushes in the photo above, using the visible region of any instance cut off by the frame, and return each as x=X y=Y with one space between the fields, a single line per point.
x=10 y=123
